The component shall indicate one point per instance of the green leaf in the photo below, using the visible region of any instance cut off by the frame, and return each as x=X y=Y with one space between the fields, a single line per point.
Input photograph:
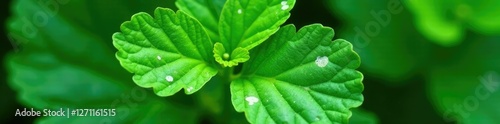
x=63 y=64
x=301 y=77
x=485 y=19
x=444 y=22
x=49 y=66
x=37 y=76
x=466 y=97
x=466 y=88
x=205 y=11
x=168 y=52
x=95 y=16
x=437 y=26
x=247 y=23
x=389 y=48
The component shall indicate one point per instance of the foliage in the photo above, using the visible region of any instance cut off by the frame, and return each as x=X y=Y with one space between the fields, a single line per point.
x=274 y=74
x=444 y=22
x=303 y=70
x=405 y=39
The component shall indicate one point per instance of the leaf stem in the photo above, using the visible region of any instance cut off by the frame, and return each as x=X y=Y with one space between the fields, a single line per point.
x=228 y=74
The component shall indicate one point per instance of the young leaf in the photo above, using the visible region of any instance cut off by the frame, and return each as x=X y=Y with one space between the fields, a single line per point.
x=206 y=11
x=168 y=52
x=221 y=56
x=301 y=77
x=245 y=24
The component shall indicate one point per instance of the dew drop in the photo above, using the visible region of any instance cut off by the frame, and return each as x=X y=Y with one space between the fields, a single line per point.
x=251 y=100
x=284 y=5
x=158 y=57
x=321 y=61
x=189 y=89
x=169 y=78
x=240 y=11
x=225 y=56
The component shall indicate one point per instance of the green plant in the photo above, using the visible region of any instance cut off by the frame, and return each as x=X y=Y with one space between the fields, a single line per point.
x=276 y=75
x=450 y=44
x=445 y=22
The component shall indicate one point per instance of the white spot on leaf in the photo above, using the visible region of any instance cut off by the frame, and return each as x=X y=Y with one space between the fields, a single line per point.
x=240 y=11
x=322 y=61
x=252 y=100
x=284 y=5
x=158 y=57
x=169 y=78
x=307 y=88
x=189 y=89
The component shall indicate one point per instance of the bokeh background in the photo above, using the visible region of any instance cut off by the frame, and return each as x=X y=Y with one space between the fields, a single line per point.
x=421 y=61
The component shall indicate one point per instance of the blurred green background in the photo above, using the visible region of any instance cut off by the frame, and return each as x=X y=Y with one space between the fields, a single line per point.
x=423 y=62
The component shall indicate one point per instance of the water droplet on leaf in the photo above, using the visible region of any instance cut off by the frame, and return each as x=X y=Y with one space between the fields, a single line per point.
x=252 y=100
x=169 y=78
x=284 y=5
x=322 y=61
